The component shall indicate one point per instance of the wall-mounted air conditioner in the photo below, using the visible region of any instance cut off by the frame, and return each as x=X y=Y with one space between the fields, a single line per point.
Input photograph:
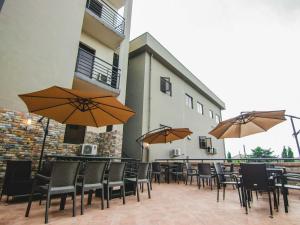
x=211 y=150
x=88 y=149
x=175 y=152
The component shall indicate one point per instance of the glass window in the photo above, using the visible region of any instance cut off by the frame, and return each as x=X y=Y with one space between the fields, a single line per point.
x=199 y=108
x=166 y=85
x=218 y=120
x=74 y=134
x=188 y=101
x=211 y=114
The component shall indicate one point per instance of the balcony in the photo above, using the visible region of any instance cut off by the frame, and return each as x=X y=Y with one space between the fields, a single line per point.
x=93 y=70
x=103 y=23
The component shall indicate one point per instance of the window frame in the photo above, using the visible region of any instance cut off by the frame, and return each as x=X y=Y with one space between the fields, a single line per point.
x=211 y=114
x=163 y=85
x=187 y=96
x=202 y=108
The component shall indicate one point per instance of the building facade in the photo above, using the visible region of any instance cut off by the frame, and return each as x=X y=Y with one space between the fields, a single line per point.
x=163 y=92
x=80 y=44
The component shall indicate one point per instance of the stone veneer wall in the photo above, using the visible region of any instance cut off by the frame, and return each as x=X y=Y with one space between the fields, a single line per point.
x=17 y=141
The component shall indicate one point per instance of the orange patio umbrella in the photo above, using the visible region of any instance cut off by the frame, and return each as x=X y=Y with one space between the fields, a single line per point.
x=76 y=107
x=166 y=135
x=248 y=123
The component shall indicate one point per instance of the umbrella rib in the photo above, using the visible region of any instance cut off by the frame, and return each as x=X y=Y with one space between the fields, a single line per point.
x=93 y=118
x=109 y=113
x=66 y=103
x=36 y=96
x=98 y=103
x=177 y=135
x=258 y=125
x=224 y=131
x=68 y=92
x=69 y=115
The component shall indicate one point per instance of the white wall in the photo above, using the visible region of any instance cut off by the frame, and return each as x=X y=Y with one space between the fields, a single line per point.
x=39 y=42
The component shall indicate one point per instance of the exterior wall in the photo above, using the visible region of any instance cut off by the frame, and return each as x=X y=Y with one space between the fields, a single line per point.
x=172 y=111
x=135 y=100
x=38 y=48
x=103 y=52
x=155 y=108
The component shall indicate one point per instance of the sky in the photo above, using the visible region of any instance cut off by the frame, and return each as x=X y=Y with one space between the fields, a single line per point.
x=246 y=51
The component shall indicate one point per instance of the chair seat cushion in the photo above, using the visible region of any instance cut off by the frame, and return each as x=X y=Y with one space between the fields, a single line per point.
x=114 y=183
x=56 y=190
x=91 y=186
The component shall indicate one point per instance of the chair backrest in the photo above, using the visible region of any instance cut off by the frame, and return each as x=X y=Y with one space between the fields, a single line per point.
x=64 y=173
x=156 y=167
x=219 y=172
x=17 y=170
x=179 y=167
x=188 y=166
x=116 y=171
x=204 y=169
x=94 y=172
x=142 y=171
x=254 y=176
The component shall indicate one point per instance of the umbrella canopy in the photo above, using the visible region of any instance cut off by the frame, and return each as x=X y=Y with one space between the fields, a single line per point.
x=248 y=123
x=166 y=135
x=77 y=107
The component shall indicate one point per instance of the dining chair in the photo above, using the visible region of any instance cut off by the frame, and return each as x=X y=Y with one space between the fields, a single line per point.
x=141 y=177
x=255 y=178
x=62 y=181
x=92 y=180
x=115 y=178
x=190 y=172
x=205 y=173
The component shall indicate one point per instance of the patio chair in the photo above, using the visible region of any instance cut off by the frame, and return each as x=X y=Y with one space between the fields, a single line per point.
x=141 y=178
x=205 y=173
x=190 y=172
x=285 y=186
x=255 y=177
x=17 y=179
x=222 y=181
x=177 y=171
x=61 y=182
x=115 y=178
x=156 y=171
x=92 y=180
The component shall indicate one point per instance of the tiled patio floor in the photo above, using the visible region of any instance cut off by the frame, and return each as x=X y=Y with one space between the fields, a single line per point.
x=170 y=204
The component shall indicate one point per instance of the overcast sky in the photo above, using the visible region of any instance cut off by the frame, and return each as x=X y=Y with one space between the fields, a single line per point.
x=246 y=51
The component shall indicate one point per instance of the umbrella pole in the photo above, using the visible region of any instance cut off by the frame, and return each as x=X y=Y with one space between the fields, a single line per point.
x=43 y=146
x=295 y=133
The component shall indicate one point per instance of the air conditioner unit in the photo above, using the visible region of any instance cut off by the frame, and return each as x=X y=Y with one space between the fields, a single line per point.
x=211 y=150
x=175 y=152
x=88 y=149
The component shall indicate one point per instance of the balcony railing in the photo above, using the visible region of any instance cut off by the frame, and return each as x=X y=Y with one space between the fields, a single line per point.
x=97 y=69
x=107 y=14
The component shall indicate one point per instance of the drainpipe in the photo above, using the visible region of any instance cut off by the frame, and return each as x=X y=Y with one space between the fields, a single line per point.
x=149 y=102
x=149 y=92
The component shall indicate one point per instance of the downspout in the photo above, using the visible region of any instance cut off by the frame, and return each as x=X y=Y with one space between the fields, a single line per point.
x=149 y=92
x=149 y=102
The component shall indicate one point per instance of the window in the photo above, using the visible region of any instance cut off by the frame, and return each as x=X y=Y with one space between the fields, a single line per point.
x=199 y=108
x=166 y=85
x=218 y=120
x=109 y=128
x=74 y=134
x=211 y=114
x=188 y=101
x=205 y=142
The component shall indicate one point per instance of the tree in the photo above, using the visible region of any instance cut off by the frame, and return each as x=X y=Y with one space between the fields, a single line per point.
x=290 y=154
x=284 y=153
x=259 y=152
x=229 y=157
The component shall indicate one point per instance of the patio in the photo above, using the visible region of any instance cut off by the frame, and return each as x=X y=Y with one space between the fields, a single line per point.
x=170 y=204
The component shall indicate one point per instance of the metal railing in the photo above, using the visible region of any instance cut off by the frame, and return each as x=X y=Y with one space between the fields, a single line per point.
x=107 y=14
x=97 y=69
